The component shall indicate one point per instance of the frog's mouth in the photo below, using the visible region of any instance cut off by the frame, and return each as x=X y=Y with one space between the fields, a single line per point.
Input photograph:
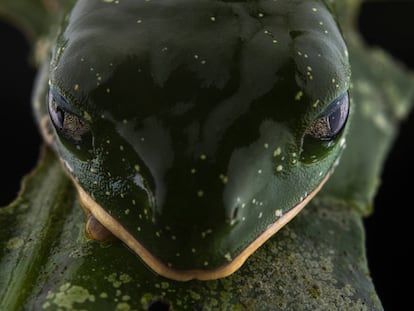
x=185 y=275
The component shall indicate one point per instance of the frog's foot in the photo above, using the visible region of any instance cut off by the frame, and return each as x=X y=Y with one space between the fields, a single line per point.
x=96 y=231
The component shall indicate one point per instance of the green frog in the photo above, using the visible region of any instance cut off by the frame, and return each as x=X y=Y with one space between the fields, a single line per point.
x=195 y=130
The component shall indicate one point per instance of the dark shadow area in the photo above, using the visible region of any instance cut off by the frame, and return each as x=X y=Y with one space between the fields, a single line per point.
x=19 y=136
x=388 y=231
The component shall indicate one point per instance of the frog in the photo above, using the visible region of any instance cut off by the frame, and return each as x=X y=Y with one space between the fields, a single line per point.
x=193 y=131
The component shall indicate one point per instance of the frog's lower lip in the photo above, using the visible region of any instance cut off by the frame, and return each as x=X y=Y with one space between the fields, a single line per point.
x=186 y=275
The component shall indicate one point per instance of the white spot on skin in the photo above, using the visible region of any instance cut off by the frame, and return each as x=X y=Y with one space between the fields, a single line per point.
x=259 y=171
x=212 y=18
x=260 y=215
x=278 y=212
x=228 y=256
x=205 y=263
x=314 y=10
x=193 y=250
x=76 y=87
x=277 y=152
x=279 y=168
x=200 y=193
x=266 y=145
x=193 y=171
x=203 y=157
x=139 y=21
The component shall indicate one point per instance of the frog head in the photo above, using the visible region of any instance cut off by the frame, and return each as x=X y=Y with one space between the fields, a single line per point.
x=195 y=130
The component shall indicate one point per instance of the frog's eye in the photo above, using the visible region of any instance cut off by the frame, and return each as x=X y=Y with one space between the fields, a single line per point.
x=67 y=124
x=330 y=123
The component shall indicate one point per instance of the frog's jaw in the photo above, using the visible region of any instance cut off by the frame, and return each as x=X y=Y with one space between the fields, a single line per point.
x=186 y=275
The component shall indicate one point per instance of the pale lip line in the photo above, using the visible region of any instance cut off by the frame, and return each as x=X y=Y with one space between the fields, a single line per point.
x=186 y=275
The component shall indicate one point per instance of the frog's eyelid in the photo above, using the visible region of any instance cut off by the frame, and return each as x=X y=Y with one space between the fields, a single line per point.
x=334 y=105
x=62 y=102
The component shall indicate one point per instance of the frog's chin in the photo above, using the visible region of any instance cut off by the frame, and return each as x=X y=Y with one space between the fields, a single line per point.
x=185 y=275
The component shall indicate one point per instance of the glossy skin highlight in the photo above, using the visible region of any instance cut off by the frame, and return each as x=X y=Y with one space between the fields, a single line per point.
x=192 y=128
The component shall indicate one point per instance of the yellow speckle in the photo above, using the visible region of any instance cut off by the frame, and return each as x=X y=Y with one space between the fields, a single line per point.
x=139 y=21
x=279 y=168
x=173 y=237
x=266 y=145
x=260 y=215
x=309 y=68
x=108 y=90
x=200 y=193
x=274 y=41
x=193 y=250
x=298 y=95
x=316 y=103
x=278 y=212
x=76 y=87
x=205 y=263
x=203 y=157
x=107 y=193
x=87 y=116
x=121 y=148
x=212 y=18
x=193 y=171
x=228 y=256
x=314 y=10
x=223 y=178
x=137 y=168
x=277 y=152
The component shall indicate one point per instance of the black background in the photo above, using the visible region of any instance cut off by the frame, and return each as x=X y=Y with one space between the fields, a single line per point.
x=389 y=234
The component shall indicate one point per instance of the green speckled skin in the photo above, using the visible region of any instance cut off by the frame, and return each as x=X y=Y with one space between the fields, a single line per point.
x=198 y=112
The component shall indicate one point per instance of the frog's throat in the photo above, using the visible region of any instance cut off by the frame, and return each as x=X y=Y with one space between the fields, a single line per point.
x=185 y=275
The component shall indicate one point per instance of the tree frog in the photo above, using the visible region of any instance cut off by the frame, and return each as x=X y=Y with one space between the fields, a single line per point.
x=195 y=130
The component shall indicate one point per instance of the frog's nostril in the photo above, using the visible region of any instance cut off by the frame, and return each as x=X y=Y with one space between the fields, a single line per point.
x=159 y=305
